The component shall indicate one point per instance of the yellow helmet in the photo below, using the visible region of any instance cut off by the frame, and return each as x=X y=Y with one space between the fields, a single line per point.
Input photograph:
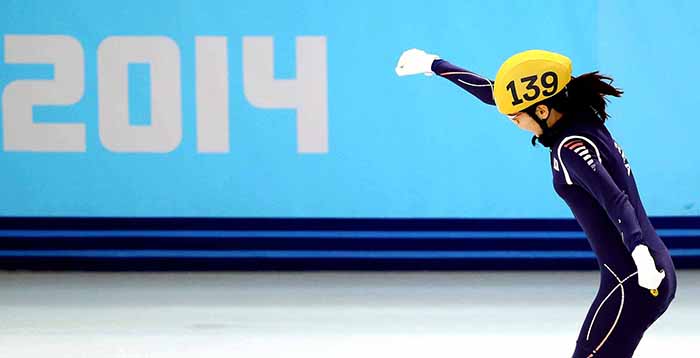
x=529 y=77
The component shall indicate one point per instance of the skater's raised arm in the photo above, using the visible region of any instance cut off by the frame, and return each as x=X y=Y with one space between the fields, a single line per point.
x=479 y=86
x=416 y=61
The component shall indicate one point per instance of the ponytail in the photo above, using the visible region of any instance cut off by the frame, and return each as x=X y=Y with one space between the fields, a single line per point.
x=589 y=91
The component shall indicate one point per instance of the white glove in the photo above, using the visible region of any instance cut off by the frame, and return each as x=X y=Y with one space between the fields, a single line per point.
x=415 y=61
x=647 y=274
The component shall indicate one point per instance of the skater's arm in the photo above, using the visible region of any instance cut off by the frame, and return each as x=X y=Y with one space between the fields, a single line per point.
x=479 y=86
x=582 y=166
x=415 y=61
x=581 y=163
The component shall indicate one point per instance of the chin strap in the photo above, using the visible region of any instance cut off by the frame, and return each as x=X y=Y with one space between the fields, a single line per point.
x=546 y=137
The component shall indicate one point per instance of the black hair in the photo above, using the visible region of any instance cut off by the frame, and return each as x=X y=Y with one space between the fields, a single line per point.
x=585 y=92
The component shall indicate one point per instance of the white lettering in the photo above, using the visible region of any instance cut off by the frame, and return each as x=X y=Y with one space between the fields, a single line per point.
x=212 y=94
x=165 y=130
x=308 y=93
x=20 y=133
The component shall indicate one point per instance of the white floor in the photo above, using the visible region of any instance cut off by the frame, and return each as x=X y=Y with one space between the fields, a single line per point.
x=324 y=315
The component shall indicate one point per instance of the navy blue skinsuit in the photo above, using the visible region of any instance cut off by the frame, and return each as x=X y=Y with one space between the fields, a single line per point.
x=592 y=174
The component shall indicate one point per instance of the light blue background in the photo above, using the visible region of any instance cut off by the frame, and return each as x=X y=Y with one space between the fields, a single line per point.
x=398 y=147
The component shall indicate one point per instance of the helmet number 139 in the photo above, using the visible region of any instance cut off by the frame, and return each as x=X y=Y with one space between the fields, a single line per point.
x=549 y=81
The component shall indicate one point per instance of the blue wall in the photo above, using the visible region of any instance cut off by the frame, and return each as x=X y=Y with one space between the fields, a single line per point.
x=396 y=147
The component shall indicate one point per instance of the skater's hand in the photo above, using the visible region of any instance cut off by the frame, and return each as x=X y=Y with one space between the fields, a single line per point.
x=415 y=61
x=647 y=274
